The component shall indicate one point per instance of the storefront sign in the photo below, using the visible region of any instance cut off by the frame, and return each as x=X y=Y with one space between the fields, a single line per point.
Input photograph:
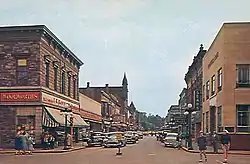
x=19 y=96
x=213 y=60
x=88 y=115
x=49 y=99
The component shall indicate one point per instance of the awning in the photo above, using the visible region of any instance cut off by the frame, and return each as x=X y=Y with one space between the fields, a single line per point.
x=55 y=115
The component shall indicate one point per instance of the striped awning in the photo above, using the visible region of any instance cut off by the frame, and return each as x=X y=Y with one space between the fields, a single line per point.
x=48 y=121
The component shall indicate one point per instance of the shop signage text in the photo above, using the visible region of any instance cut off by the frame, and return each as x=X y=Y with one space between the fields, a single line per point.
x=19 y=96
x=49 y=99
x=213 y=60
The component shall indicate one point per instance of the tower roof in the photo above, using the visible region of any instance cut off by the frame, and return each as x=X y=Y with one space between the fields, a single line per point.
x=124 y=80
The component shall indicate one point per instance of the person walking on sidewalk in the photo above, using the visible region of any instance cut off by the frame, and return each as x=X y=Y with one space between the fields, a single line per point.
x=215 y=142
x=225 y=144
x=202 y=144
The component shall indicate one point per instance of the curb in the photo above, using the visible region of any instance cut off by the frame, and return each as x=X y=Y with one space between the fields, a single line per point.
x=233 y=153
x=45 y=151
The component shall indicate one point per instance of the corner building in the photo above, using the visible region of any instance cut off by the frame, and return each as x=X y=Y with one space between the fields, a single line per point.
x=226 y=84
x=38 y=78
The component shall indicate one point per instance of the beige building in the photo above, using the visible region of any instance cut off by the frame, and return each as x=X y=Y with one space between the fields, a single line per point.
x=226 y=84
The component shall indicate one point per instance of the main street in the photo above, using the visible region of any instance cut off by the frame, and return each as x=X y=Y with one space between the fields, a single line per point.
x=147 y=151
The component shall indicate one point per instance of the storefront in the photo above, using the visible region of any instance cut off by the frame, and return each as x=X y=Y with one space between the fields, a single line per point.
x=94 y=120
x=35 y=112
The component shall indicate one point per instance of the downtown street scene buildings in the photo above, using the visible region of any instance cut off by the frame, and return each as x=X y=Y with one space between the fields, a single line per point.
x=39 y=90
x=218 y=87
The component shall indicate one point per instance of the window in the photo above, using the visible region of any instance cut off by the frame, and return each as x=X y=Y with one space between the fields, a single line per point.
x=219 y=119
x=203 y=121
x=219 y=79
x=213 y=85
x=74 y=87
x=63 y=82
x=243 y=118
x=47 y=74
x=206 y=122
x=69 y=84
x=243 y=77
x=203 y=93
x=207 y=89
x=55 y=77
x=22 y=72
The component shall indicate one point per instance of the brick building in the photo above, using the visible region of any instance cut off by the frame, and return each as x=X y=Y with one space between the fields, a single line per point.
x=38 y=78
x=108 y=95
x=226 y=84
x=193 y=79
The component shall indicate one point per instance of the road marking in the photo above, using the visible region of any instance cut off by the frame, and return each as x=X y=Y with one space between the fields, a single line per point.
x=219 y=162
x=151 y=154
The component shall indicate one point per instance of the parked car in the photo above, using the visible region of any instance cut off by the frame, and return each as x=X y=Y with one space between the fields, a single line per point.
x=131 y=138
x=140 y=135
x=136 y=135
x=95 y=139
x=171 y=140
x=111 y=140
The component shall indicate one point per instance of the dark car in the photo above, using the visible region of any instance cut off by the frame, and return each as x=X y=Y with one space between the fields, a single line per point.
x=95 y=139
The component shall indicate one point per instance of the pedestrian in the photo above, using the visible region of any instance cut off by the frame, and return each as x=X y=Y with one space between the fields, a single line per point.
x=24 y=139
x=30 y=144
x=215 y=142
x=18 y=143
x=202 y=144
x=225 y=144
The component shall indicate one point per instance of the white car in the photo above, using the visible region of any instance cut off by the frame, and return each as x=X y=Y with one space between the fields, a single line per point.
x=171 y=140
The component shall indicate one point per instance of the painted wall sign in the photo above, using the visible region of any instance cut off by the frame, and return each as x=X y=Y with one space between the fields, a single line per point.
x=213 y=60
x=19 y=96
x=49 y=99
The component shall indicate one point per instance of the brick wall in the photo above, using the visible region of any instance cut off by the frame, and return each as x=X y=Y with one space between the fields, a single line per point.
x=7 y=127
x=10 y=52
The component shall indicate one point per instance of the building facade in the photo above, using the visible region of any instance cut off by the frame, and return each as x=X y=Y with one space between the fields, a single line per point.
x=90 y=110
x=193 y=79
x=226 y=84
x=38 y=78
x=175 y=115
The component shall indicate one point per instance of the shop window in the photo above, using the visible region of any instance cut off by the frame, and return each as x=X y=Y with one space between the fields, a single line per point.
x=55 y=77
x=26 y=121
x=229 y=129
x=219 y=82
x=207 y=122
x=243 y=75
x=243 y=118
x=47 y=74
x=213 y=85
x=207 y=89
x=63 y=82
x=219 y=119
x=22 y=72
x=69 y=84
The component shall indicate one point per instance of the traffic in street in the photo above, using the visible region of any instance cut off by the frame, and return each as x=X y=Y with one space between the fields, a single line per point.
x=146 y=151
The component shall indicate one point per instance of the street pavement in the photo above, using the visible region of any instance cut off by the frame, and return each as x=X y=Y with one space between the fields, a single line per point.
x=147 y=151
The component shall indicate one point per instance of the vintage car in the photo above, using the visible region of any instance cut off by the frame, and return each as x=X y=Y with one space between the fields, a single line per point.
x=114 y=139
x=171 y=140
x=136 y=135
x=131 y=138
x=95 y=139
x=140 y=135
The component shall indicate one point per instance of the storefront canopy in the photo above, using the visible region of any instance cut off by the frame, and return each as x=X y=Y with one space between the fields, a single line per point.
x=53 y=118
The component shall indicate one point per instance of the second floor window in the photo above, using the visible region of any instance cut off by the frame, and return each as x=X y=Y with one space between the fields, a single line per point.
x=207 y=89
x=22 y=72
x=63 y=82
x=219 y=82
x=213 y=85
x=243 y=75
x=69 y=85
x=55 y=77
x=74 y=88
x=47 y=74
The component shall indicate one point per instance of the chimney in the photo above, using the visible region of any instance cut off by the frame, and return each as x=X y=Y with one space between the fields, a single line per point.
x=87 y=84
x=107 y=88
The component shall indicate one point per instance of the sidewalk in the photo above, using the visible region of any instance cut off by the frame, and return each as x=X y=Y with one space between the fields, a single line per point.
x=210 y=150
x=59 y=149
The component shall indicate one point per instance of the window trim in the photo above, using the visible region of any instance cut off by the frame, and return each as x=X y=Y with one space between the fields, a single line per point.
x=207 y=89
x=212 y=85
x=219 y=80
x=25 y=80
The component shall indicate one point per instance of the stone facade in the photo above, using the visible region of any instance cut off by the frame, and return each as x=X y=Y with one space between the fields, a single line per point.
x=193 y=79
x=228 y=61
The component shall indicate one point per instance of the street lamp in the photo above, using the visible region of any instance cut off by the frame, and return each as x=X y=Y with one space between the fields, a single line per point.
x=189 y=111
x=66 y=111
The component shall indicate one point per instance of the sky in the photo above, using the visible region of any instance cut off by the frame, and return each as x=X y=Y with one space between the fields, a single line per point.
x=153 y=41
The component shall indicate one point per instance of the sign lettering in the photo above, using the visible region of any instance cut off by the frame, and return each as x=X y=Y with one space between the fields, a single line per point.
x=49 y=99
x=213 y=60
x=19 y=96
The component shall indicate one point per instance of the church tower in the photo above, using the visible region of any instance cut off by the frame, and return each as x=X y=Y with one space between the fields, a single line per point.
x=125 y=87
